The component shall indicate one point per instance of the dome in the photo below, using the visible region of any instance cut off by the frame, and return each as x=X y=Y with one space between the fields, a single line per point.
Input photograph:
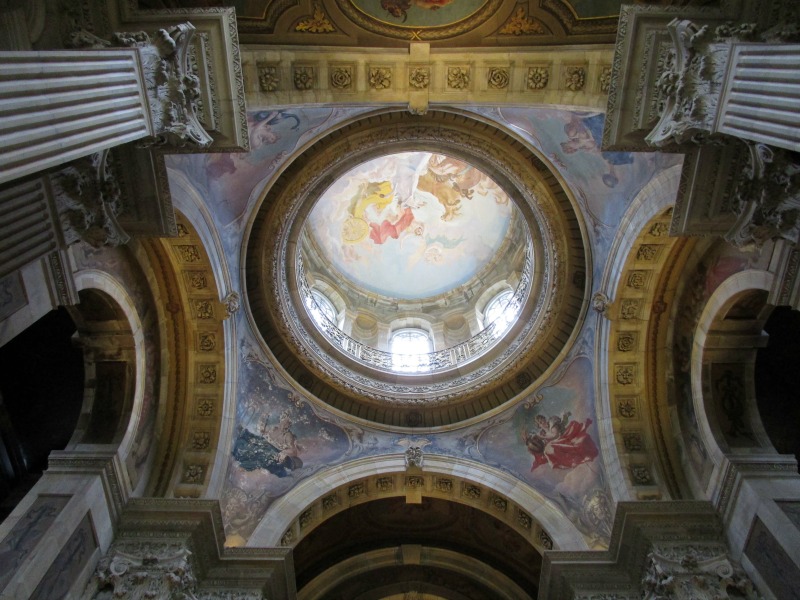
x=401 y=225
x=413 y=246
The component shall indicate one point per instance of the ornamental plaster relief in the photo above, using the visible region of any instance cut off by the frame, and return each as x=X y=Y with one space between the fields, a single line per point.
x=352 y=75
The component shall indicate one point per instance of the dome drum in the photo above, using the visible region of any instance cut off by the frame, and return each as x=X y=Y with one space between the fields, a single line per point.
x=463 y=380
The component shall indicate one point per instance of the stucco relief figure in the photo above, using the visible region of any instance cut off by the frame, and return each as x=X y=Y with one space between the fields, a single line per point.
x=560 y=442
x=275 y=450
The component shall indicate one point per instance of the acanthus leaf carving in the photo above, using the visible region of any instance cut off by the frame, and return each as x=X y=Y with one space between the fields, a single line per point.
x=88 y=199
x=767 y=198
x=172 y=90
x=690 y=84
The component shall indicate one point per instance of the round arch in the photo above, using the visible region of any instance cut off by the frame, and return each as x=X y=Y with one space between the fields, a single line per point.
x=465 y=567
x=336 y=488
x=89 y=280
x=722 y=363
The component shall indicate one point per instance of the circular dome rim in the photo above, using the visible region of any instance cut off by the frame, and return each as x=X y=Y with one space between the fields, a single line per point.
x=444 y=131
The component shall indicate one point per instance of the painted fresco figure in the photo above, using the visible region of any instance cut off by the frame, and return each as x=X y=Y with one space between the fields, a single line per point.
x=399 y=8
x=450 y=181
x=586 y=133
x=276 y=450
x=560 y=442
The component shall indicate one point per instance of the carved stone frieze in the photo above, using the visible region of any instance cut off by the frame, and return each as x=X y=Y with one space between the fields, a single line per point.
x=537 y=78
x=342 y=77
x=268 y=78
x=498 y=78
x=419 y=77
x=458 y=78
x=575 y=78
x=303 y=78
x=380 y=78
x=767 y=198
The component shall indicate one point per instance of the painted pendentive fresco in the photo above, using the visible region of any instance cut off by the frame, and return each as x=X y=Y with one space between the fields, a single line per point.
x=411 y=225
x=547 y=439
x=550 y=441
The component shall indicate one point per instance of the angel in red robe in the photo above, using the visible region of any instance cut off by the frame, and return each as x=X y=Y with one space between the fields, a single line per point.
x=380 y=233
x=560 y=442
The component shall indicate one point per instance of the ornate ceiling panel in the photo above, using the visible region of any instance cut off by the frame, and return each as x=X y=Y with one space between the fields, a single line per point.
x=440 y=22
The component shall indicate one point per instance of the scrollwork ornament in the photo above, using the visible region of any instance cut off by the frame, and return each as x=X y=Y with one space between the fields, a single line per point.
x=173 y=91
x=694 y=572
x=144 y=570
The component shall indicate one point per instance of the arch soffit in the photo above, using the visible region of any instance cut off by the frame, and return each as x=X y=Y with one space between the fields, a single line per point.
x=193 y=367
x=638 y=253
x=337 y=488
x=462 y=564
x=193 y=209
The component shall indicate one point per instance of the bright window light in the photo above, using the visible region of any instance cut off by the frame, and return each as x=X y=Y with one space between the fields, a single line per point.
x=410 y=348
x=499 y=312
x=321 y=309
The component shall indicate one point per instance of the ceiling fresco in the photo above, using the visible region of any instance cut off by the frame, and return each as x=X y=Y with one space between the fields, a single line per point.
x=411 y=225
x=419 y=13
x=546 y=439
x=396 y=22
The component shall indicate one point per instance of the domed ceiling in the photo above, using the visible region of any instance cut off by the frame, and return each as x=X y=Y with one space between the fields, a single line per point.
x=425 y=211
x=411 y=225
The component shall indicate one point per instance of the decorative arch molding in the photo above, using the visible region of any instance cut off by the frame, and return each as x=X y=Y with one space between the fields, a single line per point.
x=722 y=364
x=194 y=211
x=623 y=310
x=466 y=567
x=337 y=488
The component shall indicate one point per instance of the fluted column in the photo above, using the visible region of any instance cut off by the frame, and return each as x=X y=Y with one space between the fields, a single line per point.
x=59 y=106
x=761 y=94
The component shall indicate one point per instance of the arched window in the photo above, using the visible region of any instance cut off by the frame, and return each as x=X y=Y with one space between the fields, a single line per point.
x=321 y=309
x=500 y=311
x=410 y=348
